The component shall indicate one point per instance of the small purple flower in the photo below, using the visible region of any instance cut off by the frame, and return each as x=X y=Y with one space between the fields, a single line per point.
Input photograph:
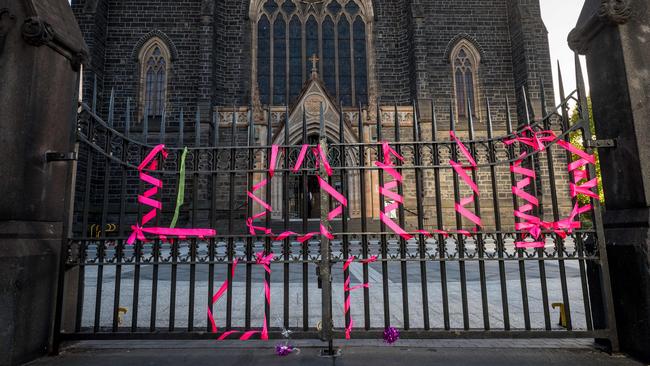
x=391 y=335
x=283 y=349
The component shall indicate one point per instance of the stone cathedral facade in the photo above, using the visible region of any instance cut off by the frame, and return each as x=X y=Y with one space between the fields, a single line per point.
x=225 y=57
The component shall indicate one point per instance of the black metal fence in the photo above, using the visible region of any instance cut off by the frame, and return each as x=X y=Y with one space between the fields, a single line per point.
x=476 y=285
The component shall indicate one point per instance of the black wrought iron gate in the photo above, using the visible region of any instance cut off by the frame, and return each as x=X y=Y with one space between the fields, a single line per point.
x=465 y=282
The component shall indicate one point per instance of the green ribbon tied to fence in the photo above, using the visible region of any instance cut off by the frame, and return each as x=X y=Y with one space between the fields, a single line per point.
x=180 y=198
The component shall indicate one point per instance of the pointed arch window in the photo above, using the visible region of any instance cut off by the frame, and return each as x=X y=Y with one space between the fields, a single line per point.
x=289 y=32
x=154 y=61
x=465 y=60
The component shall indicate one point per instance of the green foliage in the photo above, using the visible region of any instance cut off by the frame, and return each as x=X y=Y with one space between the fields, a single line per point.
x=576 y=139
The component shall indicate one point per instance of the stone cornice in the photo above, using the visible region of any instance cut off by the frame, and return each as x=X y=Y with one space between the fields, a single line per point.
x=607 y=13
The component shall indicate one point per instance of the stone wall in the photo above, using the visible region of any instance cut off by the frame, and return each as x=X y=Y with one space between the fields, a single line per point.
x=129 y=24
x=232 y=53
x=392 y=50
x=411 y=42
x=438 y=26
x=530 y=53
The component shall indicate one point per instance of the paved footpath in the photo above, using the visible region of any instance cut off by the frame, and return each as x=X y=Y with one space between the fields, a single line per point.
x=413 y=353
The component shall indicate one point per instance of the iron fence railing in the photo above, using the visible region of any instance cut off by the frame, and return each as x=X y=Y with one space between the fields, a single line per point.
x=458 y=285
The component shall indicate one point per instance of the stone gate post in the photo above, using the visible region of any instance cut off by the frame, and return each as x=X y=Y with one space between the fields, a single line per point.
x=615 y=37
x=41 y=49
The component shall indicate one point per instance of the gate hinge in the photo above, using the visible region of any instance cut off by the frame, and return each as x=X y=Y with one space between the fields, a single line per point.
x=595 y=144
x=59 y=156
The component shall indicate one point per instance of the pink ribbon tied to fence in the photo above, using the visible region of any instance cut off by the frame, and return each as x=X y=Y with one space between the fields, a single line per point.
x=536 y=139
x=267 y=208
x=147 y=199
x=321 y=158
x=337 y=211
x=461 y=207
x=579 y=171
x=530 y=223
x=348 y=289
x=265 y=261
x=567 y=225
x=222 y=290
x=576 y=168
x=386 y=190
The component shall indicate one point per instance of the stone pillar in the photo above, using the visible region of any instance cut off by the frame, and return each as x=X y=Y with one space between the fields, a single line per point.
x=615 y=37
x=41 y=49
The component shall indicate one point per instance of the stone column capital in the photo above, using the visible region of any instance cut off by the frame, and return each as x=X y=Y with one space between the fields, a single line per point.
x=615 y=11
x=603 y=13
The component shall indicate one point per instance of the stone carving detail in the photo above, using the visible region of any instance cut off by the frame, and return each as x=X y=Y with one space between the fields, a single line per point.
x=7 y=21
x=610 y=12
x=615 y=11
x=207 y=7
x=37 y=32
x=313 y=103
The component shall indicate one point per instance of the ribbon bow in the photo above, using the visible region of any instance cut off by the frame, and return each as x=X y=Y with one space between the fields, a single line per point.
x=264 y=260
x=536 y=139
x=137 y=233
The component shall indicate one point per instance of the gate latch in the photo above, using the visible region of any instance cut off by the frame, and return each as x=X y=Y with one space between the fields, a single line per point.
x=52 y=156
x=594 y=144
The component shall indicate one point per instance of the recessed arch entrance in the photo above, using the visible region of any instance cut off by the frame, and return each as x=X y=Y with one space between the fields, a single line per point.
x=313 y=105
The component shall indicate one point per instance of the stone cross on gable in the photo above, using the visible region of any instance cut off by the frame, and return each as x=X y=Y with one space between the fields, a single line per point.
x=314 y=65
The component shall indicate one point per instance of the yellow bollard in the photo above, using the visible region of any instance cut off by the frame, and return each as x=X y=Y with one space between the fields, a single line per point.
x=120 y=311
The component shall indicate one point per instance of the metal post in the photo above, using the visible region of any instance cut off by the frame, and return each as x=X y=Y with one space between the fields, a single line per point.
x=325 y=266
x=600 y=285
